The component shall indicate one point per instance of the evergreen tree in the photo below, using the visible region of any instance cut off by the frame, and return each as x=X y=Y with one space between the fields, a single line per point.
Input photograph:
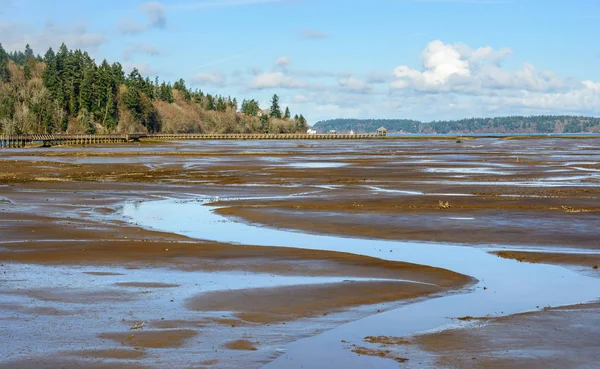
x=28 y=52
x=264 y=123
x=302 y=124
x=4 y=72
x=180 y=86
x=210 y=102
x=86 y=89
x=287 y=115
x=30 y=63
x=76 y=89
x=275 y=110
x=250 y=107
x=118 y=74
x=165 y=93
x=221 y=104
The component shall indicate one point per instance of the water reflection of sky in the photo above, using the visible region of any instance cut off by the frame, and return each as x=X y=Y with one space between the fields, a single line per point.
x=511 y=286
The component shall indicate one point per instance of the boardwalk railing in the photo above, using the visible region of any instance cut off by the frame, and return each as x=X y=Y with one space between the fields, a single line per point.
x=13 y=141
x=51 y=140
x=258 y=136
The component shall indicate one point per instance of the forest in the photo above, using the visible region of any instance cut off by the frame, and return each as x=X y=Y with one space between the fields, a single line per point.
x=68 y=92
x=510 y=124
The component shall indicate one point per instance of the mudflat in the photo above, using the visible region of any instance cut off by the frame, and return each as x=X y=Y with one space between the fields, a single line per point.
x=67 y=251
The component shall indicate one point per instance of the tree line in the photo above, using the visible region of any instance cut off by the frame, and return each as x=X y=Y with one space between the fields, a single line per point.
x=67 y=91
x=509 y=124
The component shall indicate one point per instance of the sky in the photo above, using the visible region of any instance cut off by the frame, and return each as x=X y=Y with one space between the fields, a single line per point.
x=409 y=59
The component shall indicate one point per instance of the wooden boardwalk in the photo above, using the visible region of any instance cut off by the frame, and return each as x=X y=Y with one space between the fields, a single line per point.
x=15 y=141
x=260 y=136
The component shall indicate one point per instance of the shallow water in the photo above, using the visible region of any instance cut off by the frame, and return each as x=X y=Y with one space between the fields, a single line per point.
x=510 y=286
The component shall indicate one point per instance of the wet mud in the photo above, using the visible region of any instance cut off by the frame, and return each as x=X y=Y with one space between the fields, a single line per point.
x=65 y=248
x=566 y=337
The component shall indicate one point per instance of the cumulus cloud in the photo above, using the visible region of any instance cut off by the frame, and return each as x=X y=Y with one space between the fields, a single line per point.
x=215 y=78
x=465 y=82
x=441 y=63
x=458 y=68
x=313 y=34
x=156 y=18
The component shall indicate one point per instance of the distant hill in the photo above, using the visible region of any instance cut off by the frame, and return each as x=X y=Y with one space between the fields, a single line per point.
x=511 y=124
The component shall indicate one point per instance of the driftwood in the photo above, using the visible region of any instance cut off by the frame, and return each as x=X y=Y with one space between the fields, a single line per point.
x=444 y=205
x=137 y=326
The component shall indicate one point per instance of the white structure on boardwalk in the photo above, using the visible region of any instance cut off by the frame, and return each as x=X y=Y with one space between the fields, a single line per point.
x=311 y=131
x=381 y=131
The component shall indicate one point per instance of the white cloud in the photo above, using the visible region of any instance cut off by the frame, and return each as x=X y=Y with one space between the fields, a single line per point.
x=379 y=77
x=215 y=78
x=441 y=63
x=144 y=68
x=16 y=35
x=275 y=80
x=353 y=84
x=157 y=18
x=300 y=99
x=156 y=14
x=283 y=62
x=458 y=68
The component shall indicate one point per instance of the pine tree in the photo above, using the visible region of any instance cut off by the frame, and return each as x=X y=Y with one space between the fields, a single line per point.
x=4 y=72
x=30 y=63
x=275 y=110
x=250 y=107
x=86 y=89
x=180 y=86
x=118 y=74
x=28 y=52
x=264 y=123
x=302 y=120
x=210 y=102
x=287 y=115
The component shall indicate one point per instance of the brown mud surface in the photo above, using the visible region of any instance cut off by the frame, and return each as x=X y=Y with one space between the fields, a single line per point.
x=152 y=339
x=243 y=345
x=381 y=353
x=566 y=337
x=592 y=262
x=109 y=354
x=272 y=305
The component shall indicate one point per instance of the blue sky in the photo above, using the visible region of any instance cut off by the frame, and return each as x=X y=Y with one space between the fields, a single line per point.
x=420 y=59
